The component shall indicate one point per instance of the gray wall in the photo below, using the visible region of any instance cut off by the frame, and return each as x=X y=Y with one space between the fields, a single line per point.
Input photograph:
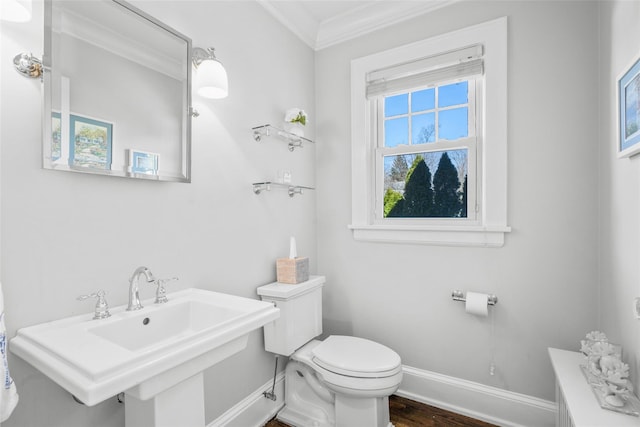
x=66 y=234
x=620 y=187
x=545 y=275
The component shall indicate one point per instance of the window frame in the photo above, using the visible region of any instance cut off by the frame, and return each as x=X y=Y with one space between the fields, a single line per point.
x=490 y=225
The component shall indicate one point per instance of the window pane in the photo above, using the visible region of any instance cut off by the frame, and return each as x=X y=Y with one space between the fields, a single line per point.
x=396 y=105
x=423 y=100
x=426 y=185
x=454 y=123
x=453 y=94
x=423 y=128
x=396 y=131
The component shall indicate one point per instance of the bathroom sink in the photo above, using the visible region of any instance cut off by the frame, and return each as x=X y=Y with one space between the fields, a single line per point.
x=143 y=352
x=145 y=328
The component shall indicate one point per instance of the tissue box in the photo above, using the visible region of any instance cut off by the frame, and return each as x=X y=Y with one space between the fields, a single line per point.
x=292 y=270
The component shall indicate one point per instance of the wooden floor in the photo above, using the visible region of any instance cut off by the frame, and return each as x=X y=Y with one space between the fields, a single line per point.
x=407 y=413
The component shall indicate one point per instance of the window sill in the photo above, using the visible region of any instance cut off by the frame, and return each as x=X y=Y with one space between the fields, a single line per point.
x=472 y=236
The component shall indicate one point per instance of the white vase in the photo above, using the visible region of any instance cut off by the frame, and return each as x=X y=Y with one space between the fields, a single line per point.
x=294 y=128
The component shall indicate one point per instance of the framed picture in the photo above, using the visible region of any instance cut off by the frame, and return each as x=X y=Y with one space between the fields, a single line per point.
x=90 y=145
x=629 y=111
x=143 y=162
x=56 y=135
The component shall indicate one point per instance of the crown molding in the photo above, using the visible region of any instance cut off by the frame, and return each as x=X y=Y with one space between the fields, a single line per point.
x=371 y=17
x=350 y=24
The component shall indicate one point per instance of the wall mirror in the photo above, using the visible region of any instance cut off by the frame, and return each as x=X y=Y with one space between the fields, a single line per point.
x=117 y=92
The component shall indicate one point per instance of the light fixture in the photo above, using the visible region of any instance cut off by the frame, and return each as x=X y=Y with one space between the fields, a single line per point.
x=211 y=77
x=15 y=10
x=28 y=65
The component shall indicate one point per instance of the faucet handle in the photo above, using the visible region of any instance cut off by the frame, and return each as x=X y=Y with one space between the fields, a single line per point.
x=161 y=292
x=102 y=308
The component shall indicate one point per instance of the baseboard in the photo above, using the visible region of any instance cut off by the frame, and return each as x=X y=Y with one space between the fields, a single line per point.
x=491 y=404
x=255 y=410
x=486 y=403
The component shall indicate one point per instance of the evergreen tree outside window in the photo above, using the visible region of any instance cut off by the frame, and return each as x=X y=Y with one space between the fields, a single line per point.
x=448 y=185
x=446 y=190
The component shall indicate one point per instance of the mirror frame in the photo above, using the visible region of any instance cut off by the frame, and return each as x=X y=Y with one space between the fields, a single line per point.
x=47 y=95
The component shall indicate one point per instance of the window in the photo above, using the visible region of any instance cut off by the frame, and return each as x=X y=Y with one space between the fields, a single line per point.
x=428 y=148
x=426 y=152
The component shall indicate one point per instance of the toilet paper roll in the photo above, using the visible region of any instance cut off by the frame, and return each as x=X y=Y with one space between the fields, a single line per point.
x=477 y=304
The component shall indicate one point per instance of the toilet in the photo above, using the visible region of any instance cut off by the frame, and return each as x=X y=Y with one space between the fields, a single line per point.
x=342 y=381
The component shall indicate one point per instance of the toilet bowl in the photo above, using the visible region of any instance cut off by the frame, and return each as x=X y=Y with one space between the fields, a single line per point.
x=326 y=385
x=342 y=381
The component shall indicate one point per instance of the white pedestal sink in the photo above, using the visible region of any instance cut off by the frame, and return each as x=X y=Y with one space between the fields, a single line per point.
x=155 y=355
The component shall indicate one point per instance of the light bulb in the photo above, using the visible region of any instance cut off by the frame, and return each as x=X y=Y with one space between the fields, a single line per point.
x=211 y=79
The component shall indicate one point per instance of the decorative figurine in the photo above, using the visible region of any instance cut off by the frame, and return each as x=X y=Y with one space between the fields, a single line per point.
x=607 y=375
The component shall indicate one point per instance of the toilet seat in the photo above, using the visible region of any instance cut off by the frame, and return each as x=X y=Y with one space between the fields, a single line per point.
x=356 y=357
x=357 y=384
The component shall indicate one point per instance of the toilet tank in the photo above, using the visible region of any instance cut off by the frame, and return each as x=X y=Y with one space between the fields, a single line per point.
x=300 y=318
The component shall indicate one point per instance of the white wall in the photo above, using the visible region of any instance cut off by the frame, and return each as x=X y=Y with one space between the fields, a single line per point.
x=66 y=234
x=620 y=187
x=573 y=206
x=545 y=275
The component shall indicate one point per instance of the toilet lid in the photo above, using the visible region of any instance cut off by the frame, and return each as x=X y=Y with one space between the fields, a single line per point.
x=356 y=357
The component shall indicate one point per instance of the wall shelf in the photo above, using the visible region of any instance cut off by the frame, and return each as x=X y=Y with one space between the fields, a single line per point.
x=259 y=187
x=291 y=139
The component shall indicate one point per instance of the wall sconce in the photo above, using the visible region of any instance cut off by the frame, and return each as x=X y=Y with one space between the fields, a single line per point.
x=15 y=10
x=27 y=65
x=211 y=77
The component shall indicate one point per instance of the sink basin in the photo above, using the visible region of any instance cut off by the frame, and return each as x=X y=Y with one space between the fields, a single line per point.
x=170 y=323
x=144 y=352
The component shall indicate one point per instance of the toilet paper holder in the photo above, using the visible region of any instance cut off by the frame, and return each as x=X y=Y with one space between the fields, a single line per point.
x=459 y=296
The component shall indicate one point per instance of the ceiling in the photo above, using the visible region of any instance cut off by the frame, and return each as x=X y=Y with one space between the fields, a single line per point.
x=323 y=23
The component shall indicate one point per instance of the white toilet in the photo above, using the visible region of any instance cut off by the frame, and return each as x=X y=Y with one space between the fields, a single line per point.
x=339 y=382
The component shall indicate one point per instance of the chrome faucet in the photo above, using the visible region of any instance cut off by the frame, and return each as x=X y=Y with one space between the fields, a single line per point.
x=134 y=295
x=102 y=308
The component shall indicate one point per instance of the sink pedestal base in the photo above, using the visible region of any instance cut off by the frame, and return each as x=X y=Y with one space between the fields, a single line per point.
x=181 y=405
x=168 y=400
